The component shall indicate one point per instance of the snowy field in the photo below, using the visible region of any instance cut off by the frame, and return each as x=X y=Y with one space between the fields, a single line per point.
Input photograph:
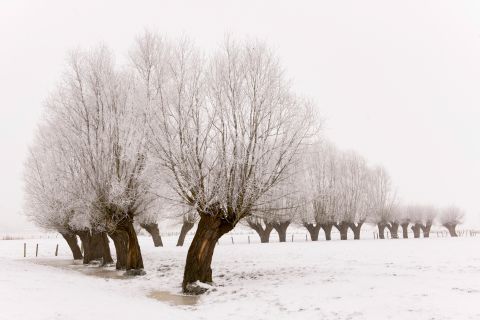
x=436 y=278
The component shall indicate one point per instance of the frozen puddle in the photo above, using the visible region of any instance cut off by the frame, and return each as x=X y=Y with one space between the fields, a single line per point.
x=89 y=270
x=112 y=273
x=174 y=299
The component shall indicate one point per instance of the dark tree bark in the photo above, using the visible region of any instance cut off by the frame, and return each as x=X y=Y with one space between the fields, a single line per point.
x=342 y=227
x=263 y=233
x=95 y=246
x=393 y=227
x=106 y=255
x=281 y=228
x=152 y=228
x=416 y=230
x=199 y=258
x=313 y=229
x=451 y=229
x=327 y=228
x=381 y=229
x=89 y=252
x=356 y=229
x=120 y=240
x=405 y=230
x=426 y=229
x=186 y=226
x=134 y=259
x=71 y=239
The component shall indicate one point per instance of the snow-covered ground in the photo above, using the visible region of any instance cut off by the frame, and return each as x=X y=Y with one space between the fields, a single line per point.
x=436 y=278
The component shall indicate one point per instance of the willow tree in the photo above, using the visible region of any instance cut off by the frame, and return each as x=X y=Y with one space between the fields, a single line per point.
x=322 y=176
x=51 y=188
x=354 y=205
x=97 y=111
x=450 y=217
x=382 y=197
x=225 y=129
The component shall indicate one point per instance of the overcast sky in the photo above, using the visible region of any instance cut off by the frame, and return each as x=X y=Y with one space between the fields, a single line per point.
x=397 y=81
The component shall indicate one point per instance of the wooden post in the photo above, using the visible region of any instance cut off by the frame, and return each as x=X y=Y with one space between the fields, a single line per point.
x=292 y=237
x=306 y=239
x=24 y=249
x=36 y=251
x=232 y=240
x=248 y=239
x=56 y=250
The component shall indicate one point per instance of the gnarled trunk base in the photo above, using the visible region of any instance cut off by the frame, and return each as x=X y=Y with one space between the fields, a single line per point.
x=313 y=229
x=199 y=257
x=342 y=227
x=393 y=228
x=71 y=239
x=186 y=226
x=95 y=246
x=356 y=229
x=152 y=228
x=327 y=228
x=451 y=229
x=416 y=230
x=381 y=230
x=405 y=230
x=281 y=228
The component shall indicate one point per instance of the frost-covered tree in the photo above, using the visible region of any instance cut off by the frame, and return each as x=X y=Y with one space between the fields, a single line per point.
x=261 y=225
x=98 y=111
x=226 y=130
x=422 y=218
x=382 y=198
x=321 y=174
x=354 y=205
x=50 y=195
x=450 y=217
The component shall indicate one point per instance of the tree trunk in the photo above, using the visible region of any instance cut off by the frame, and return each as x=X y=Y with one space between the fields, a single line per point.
x=106 y=255
x=263 y=233
x=381 y=230
x=426 y=229
x=71 y=239
x=451 y=229
x=405 y=230
x=152 y=228
x=327 y=228
x=95 y=246
x=393 y=227
x=356 y=229
x=186 y=226
x=134 y=259
x=281 y=228
x=120 y=240
x=199 y=257
x=313 y=230
x=343 y=229
x=416 y=230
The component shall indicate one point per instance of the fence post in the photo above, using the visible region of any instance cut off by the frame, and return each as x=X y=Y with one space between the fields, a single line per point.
x=292 y=237
x=232 y=240
x=36 y=251
x=306 y=239
x=56 y=250
x=248 y=239
x=24 y=249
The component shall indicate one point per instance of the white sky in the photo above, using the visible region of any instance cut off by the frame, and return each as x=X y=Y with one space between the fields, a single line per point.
x=398 y=81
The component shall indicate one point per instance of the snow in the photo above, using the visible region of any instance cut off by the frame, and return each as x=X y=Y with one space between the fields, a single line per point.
x=436 y=278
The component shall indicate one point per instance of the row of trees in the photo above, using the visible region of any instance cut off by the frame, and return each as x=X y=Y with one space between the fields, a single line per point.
x=218 y=138
x=337 y=189
x=118 y=144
